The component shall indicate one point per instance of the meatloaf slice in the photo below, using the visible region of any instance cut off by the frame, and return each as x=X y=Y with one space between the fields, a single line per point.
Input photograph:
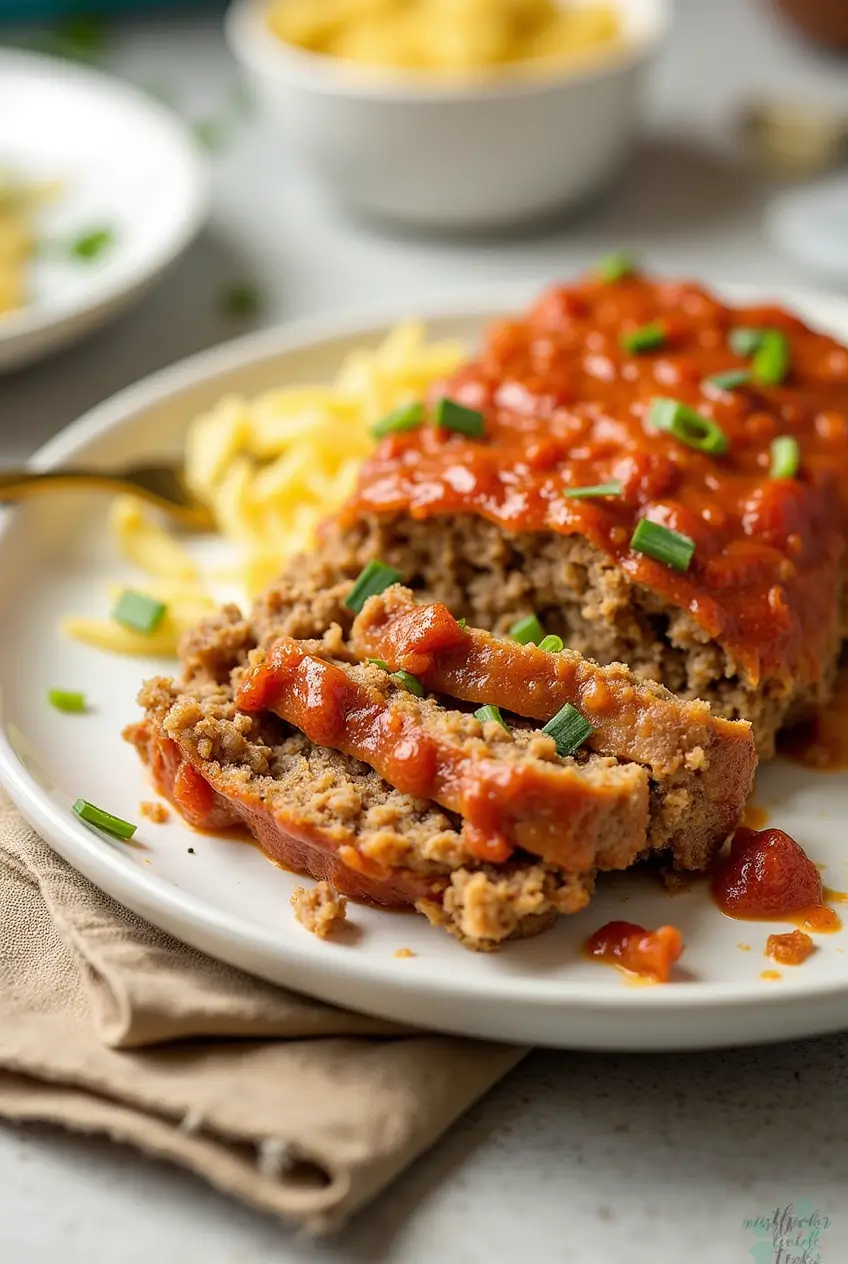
x=320 y=812
x=702 y=765
x=511 y=788
x=493 y=577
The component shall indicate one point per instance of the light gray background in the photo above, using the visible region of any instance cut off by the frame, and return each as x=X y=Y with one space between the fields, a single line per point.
x=592 y=1159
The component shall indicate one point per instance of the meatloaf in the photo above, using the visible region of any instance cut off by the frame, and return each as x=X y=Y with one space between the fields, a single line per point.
x=701 y=765
x=534 y=509
x=320 y=812
x=510 y=787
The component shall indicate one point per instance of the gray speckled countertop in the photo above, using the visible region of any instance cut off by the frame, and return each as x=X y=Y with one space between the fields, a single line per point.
x=595 y=1159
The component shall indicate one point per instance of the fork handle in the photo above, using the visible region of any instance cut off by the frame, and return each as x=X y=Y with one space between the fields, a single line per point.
x=23 y=484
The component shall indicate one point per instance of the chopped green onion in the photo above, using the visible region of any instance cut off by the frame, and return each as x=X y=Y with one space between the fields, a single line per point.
x=78 y=37
x=211 y=134
x=240 y=299
x=379 y=662
x=92 y=244
x=527 y=630
x=104 y=821
x=138 y=612
x=785 y=457
x=408 y=417
x=662 y=544
x=551 y=644
x=613 y=488
x=490 y=712
x=462 y=623
x=646 y=338
x=66 y=700
x=615 y=267
x=373 y=578
x=411 y=683
x=730 y=380
x=745 y=340
x=771 y=360
x=690 y=427
x=452 y=416
x=569 y=729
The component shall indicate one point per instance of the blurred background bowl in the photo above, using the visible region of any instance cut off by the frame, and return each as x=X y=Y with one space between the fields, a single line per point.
x=484 y=153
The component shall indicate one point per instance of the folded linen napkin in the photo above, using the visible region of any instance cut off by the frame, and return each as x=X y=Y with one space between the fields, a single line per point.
x=109 y=1025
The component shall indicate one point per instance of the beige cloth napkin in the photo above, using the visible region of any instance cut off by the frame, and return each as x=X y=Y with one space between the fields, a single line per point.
x=109 y=1025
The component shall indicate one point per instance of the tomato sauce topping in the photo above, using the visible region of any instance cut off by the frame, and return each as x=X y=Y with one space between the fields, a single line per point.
x=768 y=876
x=566 y=406
x=791 y=949
x=650 y=954
x=569 y=812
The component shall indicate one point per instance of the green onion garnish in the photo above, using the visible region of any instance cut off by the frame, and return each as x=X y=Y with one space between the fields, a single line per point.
x=569 y=729
x=527 y=630
x=612 y=488
x=745 y=340
x=240 y=299
x=92 y=244
x=373 y=578
x=452 y=416
x=785 y=457
x=104 y=821
x=687 y=425
x=411 y=683
x=730 y=380
x=615 y=267
x=771 y=360
x=138 y=612
x=462 y=623
x=379 y=662
x=490 y=712
x=646 y=338
x=408 y=417
x=66 y=700
x=662 y=544
x=551 y=644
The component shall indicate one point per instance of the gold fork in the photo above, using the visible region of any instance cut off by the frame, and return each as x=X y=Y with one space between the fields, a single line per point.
x=161 y=485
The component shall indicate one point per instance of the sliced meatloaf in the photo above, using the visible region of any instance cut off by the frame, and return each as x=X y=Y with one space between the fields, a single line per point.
x=510 y=787
x=603 y=419
x=702 y=766
x=320 y=812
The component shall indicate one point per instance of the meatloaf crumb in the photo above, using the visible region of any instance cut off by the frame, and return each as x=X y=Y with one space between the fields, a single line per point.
x=484 y=907
x=321 y=910
x=155 y=812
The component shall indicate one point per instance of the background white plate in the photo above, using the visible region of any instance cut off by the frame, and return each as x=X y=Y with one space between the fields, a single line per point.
x=225 y=898
x=125 y=163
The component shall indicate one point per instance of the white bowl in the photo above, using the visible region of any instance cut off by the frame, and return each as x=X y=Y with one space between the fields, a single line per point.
x=476 y=154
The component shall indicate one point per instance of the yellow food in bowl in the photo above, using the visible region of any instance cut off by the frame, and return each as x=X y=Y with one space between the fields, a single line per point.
x=446 y=36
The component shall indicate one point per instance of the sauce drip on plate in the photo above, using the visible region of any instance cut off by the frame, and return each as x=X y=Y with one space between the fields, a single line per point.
x=768 y=876
x=649 y=954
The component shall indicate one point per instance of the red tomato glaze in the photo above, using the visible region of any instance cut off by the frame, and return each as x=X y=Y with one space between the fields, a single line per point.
x=566 y=406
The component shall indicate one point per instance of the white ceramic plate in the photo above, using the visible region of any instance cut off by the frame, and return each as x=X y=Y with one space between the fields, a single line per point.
x=225 y=898
x=124 y=163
